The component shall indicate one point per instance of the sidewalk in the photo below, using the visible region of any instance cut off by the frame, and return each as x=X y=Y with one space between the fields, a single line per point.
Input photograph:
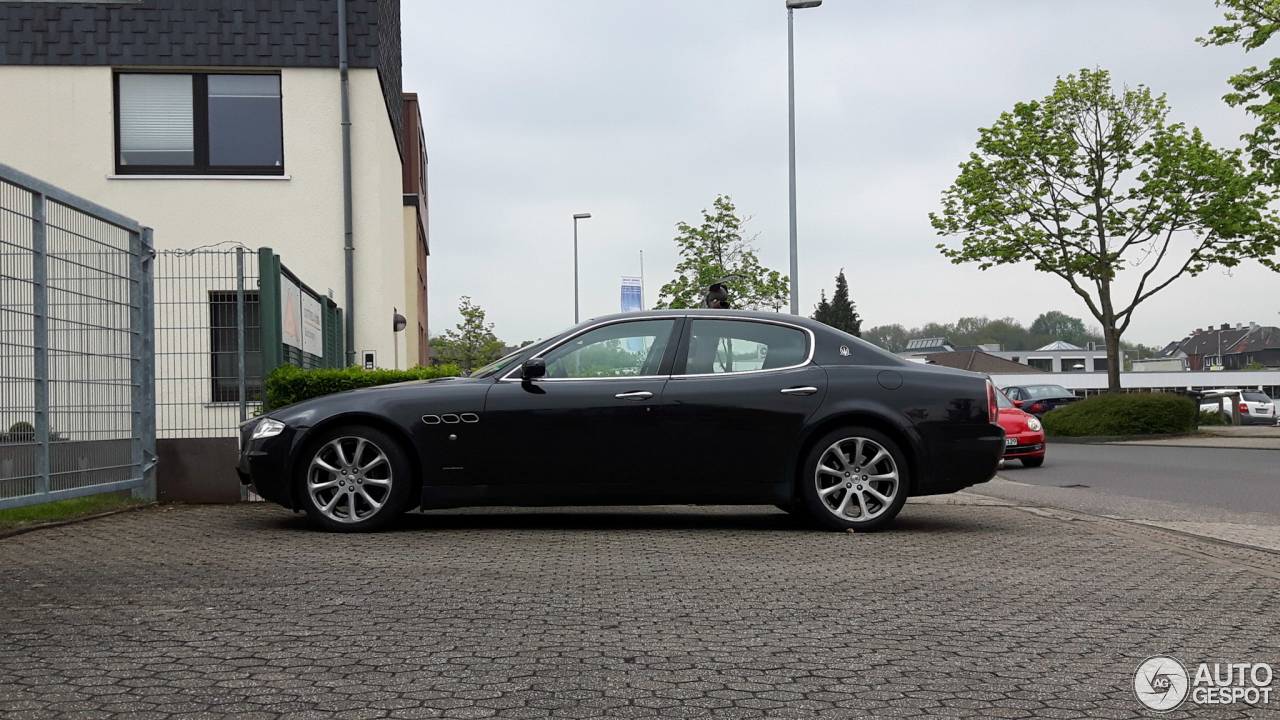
x=1248 y=437
x=1254 y=530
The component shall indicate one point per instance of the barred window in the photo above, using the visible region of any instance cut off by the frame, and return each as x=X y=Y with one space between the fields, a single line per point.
x=224 y=350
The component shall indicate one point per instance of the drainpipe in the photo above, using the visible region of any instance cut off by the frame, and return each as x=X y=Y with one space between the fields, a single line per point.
x=348 y=246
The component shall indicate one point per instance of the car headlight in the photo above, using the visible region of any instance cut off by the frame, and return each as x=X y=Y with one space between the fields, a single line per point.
x=1033 y=424
x=267 y=428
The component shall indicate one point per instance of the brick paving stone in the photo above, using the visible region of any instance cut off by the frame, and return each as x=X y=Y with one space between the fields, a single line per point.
x=960 y=610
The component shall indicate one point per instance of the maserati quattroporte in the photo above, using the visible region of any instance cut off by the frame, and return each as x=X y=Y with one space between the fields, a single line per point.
x=676 y=406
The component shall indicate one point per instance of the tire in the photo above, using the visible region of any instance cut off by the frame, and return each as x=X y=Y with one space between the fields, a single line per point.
x=830 y=487
x=1032 y=461
x=383 y=481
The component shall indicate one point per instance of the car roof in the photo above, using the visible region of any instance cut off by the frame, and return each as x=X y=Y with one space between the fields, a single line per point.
x=716 y=313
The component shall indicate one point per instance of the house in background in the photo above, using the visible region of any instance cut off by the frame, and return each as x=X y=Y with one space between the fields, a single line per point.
x=222 y=123
x=1226 y=347
x=1055 y=357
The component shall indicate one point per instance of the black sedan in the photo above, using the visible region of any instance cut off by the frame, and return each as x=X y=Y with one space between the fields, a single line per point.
x=1039 y=399
x=676 y=406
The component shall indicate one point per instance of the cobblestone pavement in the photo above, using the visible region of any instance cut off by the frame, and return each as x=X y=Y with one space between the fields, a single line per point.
x=961 y=610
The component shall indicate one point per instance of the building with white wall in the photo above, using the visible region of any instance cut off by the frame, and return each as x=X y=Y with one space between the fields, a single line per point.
x=222 y=123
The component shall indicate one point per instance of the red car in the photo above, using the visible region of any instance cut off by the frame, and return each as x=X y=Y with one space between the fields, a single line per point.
x=1023 y=433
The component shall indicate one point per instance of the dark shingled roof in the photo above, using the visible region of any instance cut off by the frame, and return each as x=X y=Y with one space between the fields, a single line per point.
x=978 y=361
x=208 y=33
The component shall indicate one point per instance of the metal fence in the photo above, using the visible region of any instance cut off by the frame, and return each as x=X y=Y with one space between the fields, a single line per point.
x=208 y=341
x=76 y=366
x=226 y=316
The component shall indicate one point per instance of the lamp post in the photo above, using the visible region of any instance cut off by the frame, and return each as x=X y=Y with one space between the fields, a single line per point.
x=792 y=6
x=576 y=218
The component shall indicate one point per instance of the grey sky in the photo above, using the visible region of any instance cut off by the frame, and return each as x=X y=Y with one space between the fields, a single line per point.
x=641 y=112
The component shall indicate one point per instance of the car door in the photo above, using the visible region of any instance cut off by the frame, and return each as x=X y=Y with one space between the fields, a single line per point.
x=740 y=392
x=592 y=420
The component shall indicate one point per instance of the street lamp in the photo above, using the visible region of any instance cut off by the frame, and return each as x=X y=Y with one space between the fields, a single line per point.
x=576 y=218
x=792 y=6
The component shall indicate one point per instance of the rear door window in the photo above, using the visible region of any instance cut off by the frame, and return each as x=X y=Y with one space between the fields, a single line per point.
x=733 y=346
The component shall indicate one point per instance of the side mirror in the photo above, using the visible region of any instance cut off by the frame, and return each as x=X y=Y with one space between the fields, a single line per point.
x=1017 y=403
x=533 y=368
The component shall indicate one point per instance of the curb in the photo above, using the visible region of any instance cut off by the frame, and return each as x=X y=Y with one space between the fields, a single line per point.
x=1101 y=439
x=70 y=521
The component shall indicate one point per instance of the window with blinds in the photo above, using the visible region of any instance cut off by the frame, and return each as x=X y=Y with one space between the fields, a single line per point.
x=156 y=120
x=199 y=123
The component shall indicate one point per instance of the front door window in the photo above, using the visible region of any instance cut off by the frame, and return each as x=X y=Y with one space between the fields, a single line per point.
x=627 y=349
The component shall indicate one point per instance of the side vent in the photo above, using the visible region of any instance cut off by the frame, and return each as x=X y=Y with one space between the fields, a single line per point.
x=451 y=419
x=431 y=419
x=470 y=418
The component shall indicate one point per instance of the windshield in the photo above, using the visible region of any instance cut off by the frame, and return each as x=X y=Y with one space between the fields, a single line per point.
x=1257 y=397
x=506 y=361
x=1047 y=391
x=1003 y=400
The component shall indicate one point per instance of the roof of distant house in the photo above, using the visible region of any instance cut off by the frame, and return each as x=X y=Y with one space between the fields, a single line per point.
x=1262 y=338
x=1059 y=345
x=923 y=343
x=978 y=361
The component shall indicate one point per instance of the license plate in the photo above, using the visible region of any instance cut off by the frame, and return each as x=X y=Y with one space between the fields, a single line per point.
x=1011 y=441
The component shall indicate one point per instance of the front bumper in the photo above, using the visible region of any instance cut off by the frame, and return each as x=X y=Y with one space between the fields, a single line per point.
x=1030 y=444
x=265 y=464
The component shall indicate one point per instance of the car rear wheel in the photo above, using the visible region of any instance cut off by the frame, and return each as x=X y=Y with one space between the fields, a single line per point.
x=1032 y=461
x=855 y=479
x=357 y=479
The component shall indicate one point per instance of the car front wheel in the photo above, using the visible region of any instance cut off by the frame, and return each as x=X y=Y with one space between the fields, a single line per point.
x=357 y=479
x=855 y=479
x=1033 y=461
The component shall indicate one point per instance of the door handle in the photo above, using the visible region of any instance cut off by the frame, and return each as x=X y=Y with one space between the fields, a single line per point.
x=637 y=395
x=799 y=391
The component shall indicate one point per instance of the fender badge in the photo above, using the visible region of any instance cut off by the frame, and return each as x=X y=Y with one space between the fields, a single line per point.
x=844 y=350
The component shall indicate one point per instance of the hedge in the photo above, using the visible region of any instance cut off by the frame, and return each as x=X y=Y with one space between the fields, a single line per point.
x=289 y=384
x=1123 y=414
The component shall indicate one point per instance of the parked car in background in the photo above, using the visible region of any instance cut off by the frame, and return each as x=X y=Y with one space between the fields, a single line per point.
x=1256 y=408
x=659 y=407
x=1039 y=399
x=1023 y=433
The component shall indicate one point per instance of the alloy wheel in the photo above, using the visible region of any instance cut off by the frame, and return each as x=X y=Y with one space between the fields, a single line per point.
x=856 y=479
x=349 y=479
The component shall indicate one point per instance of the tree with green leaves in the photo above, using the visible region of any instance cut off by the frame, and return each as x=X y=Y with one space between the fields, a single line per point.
x=472 y=343
x=840 y=313
x=715 y=250
x=889 y=337
x=1062 y=326
x=1250 y=24
x=1089 y=183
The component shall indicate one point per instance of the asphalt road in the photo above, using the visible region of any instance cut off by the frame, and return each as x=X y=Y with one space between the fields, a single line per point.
x=1237 y=480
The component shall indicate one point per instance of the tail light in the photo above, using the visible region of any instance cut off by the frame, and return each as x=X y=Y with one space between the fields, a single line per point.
x=1244 y=408
x=1038 y=407
x=993 y=410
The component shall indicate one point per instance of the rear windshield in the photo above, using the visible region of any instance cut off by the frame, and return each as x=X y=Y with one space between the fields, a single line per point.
x=1048 y=391
x=1257 y=397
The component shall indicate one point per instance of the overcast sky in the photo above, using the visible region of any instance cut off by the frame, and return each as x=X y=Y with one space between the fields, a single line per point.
x=642 y=112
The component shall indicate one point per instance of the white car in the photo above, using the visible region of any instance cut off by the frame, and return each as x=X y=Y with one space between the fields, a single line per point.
x=1255 y=407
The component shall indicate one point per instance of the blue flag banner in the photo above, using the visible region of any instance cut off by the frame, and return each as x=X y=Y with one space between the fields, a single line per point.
x=632 y=302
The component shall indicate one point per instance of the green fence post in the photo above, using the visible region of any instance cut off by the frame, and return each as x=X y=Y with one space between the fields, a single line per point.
x=269 y=307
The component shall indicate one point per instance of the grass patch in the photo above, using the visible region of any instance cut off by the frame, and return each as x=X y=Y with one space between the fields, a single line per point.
x=14 y=518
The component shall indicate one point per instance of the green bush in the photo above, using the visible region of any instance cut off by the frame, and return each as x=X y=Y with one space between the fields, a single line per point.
x=22 y=426
x=1123 y=414
x=289 y=384
x=1211 y=418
